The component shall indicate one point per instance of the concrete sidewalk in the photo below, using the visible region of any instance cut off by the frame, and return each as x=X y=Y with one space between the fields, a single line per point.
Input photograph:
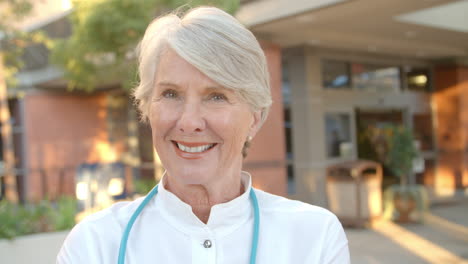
x=442 y=239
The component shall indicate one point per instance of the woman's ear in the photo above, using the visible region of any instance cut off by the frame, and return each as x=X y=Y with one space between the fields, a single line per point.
x=256 y=123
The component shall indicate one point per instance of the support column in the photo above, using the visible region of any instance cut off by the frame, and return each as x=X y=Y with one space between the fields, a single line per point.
x=308 y=127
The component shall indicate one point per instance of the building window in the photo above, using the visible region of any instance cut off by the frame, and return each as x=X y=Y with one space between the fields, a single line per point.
x=360 y=76
x=335 y=74
x=338 y=135
x=418 y=79
x=374 y=77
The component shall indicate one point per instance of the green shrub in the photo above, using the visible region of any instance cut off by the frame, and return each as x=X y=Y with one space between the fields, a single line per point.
x=144 y=186
x=64 y=217
x=45 y=216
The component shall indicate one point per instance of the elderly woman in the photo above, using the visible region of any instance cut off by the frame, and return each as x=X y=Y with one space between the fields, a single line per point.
x=205 y=92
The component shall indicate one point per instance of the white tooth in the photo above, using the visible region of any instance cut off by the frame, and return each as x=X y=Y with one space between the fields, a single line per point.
x=194 y=149
x=183 y=148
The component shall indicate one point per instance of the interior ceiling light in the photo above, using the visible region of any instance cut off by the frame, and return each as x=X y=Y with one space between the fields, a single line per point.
x=419 y=80
x=452 y=16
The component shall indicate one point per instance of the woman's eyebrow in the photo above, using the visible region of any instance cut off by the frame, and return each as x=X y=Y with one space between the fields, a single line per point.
x=169 y=84
x=208 y=89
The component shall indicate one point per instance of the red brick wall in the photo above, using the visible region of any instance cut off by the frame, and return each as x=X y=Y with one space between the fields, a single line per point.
x=61 y=132
x=266 y=160
x=451 y=104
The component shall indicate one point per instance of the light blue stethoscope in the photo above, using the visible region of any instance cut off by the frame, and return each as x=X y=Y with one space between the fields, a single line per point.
x=154 y=191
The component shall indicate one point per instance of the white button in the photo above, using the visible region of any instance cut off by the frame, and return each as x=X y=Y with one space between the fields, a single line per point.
x=207 y=243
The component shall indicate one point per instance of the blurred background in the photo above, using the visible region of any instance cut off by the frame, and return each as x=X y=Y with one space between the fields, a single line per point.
x=370 y=118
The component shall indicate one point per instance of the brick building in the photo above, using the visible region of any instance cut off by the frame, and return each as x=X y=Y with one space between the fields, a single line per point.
x=335 y=65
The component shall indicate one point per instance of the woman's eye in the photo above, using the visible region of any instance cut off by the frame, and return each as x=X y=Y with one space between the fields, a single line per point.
x=218 y=97
x=169 y=94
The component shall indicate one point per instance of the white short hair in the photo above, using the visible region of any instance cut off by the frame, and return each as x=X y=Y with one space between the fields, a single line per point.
x=216 y=44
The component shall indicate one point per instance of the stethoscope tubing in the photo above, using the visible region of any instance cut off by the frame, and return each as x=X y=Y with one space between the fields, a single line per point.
x=154 y=191
x=128 y=228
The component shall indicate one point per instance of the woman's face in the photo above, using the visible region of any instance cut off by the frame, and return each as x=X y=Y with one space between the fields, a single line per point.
x=198 y=127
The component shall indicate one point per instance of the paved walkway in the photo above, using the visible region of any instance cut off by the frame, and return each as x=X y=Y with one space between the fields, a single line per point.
x=442 y=239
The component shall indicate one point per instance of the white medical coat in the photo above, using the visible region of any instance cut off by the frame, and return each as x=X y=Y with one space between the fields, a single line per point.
x=167 y=231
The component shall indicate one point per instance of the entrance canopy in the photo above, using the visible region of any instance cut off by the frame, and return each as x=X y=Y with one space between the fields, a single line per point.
x=431 y=29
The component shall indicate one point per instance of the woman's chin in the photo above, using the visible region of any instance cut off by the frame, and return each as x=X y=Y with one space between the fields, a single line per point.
x=192 y=177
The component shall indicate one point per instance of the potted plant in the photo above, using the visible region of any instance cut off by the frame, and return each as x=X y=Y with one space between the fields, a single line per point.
x=398 y=157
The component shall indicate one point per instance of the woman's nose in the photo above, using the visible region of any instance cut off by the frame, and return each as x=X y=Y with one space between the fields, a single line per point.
x=191 y=119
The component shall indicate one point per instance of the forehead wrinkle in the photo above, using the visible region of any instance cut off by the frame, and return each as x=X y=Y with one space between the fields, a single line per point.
x=207 y=89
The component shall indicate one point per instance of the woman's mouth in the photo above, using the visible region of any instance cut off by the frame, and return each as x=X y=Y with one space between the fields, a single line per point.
x=193 y=147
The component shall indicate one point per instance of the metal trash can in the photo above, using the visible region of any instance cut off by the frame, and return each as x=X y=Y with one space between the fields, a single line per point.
x=354 y=191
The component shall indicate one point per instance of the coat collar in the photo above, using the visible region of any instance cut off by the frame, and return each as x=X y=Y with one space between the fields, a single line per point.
x=224 y=217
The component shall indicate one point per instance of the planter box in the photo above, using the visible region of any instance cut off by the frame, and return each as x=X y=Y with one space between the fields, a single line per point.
x=37 y=248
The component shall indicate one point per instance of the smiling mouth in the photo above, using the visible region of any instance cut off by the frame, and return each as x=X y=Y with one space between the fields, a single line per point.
x=193 y=147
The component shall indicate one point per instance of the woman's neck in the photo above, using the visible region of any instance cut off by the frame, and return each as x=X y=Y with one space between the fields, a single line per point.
x=202 y=197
